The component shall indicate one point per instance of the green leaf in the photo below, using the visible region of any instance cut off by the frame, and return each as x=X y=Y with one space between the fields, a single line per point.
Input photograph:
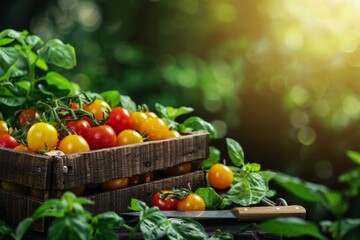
x=180 y=228
x=235 y=152
x=59 y=54
x=104 y=225
x=211 y=197
x=214 y=157
x=128 y=103
x=33 y=40
x=153 y=223
x=12 y=101
x=112 y=97
x=8 y=57
x=352 y=178
x=250 y=189
x=10 y=33
x=60 y=82
x=5 y=41
x=23 y=227
x=339 y=229
x=137 y=205
x=253 y=167
x=74 y=226
x=161 y=110
x=354 y=156
x=219 y=235
x=177 y=112
x=198 y=124
x=50 y=208
x=5 y=230
x=292 y=227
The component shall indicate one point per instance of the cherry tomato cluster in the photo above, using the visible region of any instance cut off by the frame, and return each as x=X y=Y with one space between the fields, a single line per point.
x=80 y=126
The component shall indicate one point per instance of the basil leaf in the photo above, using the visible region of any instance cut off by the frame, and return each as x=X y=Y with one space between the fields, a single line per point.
x=214 y=157
x=5 y=41
x=112 y=97
x=137 y=205
x=23 y=226
x=185 y=228
x=354 y=156
x=10 y=33
x=250 y=189
x=127 y=103
x=153 y=223
x=235 y=152
x=162 y=111
x=104 y=224
x=292 y=227
x=8 y=57
x=210 y=196
x=12 y=101
x=61 y=83
x=5 y=230
x=33 y=40
x=253 y=167
x=218 y=235
x=74 y=226
x=59 y=54
x=198 y=124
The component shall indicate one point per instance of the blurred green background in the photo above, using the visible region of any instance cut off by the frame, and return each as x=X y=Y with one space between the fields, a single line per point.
x=281 y=77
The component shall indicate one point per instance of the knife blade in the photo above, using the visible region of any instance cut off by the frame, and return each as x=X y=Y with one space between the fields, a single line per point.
x=240 y=213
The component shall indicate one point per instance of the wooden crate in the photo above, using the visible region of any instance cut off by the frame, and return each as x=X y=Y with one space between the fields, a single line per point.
x=56 y=174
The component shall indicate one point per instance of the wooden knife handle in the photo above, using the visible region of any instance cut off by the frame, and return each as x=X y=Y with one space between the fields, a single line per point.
x=266 y=212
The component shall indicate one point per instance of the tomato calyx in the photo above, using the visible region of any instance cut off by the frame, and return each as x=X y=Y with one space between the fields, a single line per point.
x=177 y=194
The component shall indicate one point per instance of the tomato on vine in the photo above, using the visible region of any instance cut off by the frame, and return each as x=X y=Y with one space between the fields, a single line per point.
x=42 y=137
x=8 y=141
x=73 y=144
x=193 y=202
x=155 y=128
x=127 y=137
x=99 y=108
x=162 y=203
x=28 y=116
x=120 y=119
x=220 y=176
x=80 y=127
x=101 y=137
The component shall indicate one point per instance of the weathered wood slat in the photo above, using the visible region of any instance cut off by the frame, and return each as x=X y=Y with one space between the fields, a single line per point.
x=119 y=200
x=25 y=168
x=102 y=165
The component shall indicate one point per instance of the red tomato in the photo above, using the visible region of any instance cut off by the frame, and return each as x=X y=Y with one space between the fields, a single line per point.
x=28 y=116
x=80 y=127
x=192 y=202
x=120 y=119
x=101 y=137
x=164 y=204
x=8 y=141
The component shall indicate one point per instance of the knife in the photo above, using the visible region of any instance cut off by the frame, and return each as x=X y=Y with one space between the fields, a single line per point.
x=240 y=213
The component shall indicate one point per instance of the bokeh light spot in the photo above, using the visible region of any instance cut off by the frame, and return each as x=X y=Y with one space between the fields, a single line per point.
x=349 y=41
x=225 y=12
x=324 y=169
x=220 y=127
x=299 y=119
x=306 y=136
x=89 y=16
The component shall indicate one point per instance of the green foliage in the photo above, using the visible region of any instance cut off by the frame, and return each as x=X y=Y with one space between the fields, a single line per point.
x=20 y=66
x=336 y=202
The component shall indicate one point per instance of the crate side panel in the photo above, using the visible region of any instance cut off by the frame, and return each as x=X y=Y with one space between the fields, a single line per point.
x=119 y=200
x=33 y=170
x=16 y=207
x=102 y=165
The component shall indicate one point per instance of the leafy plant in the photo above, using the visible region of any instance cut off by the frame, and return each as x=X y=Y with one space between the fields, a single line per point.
x=170 y=114
x=335 y=201
x=72 y=221
x=24 y=72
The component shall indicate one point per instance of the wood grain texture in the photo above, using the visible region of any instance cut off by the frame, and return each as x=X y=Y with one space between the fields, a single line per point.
x=102 y=165
x=29 y=169
x=119 y=200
